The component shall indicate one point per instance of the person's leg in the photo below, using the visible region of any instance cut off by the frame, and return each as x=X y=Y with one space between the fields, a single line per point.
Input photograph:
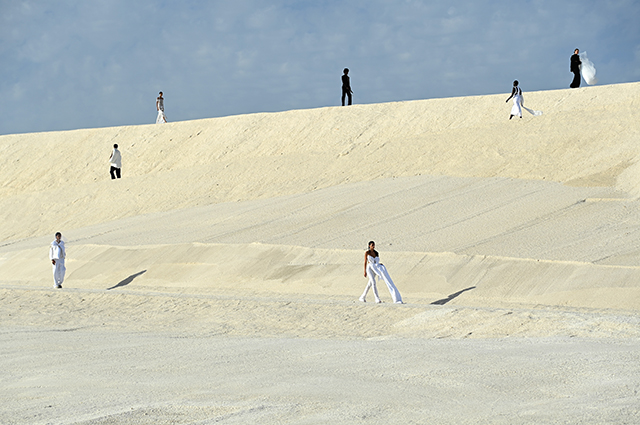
x=372 y=279
x=576 y=80
x=61 y=272
x=58 y=273
x=55 y=274
x=371 y=284
x=344 y=93
x=112 y=171
x=363 y=297
x=117 y=172
x=349 y=94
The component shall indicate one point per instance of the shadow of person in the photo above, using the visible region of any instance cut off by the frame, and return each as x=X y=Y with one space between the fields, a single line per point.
x=127 y=280
x=452 y=296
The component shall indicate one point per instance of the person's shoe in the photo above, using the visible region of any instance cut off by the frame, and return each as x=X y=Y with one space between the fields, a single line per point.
x=362 y=299
x=378 y=301
x=399 y=302
x=58 y=286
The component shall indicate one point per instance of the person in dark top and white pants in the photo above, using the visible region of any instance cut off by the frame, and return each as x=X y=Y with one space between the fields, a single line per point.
x=115 y=160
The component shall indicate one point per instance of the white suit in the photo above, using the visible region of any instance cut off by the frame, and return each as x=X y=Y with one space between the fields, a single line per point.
x=374 y=268
x=58 y=253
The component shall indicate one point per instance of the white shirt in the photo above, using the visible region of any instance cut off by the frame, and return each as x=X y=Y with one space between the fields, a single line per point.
x=116 y=159
x=56 y=251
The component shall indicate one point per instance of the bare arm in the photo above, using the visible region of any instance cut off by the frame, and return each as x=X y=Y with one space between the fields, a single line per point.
x=513 y=92
x=365 y=264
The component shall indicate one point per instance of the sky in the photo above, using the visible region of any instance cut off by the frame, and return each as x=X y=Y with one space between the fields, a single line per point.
x=100 y=63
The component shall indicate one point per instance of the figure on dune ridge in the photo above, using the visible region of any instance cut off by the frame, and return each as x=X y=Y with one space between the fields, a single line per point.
x=575 y=68
x=518 y=101
x=346 y=86
x=372 y=268
x=160 y=107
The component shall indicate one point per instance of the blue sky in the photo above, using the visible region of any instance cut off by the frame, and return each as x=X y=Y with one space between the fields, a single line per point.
x=99 y=63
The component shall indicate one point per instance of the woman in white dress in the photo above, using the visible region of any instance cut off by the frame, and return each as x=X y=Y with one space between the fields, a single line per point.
x=518 y=101
x=373 y=268
x=160 y=107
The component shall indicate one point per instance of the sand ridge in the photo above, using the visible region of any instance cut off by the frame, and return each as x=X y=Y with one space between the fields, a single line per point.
x=586 y=137
x=217 y=281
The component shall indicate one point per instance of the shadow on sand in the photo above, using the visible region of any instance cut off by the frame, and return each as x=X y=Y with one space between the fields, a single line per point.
x=452 y=296
x=127 y=280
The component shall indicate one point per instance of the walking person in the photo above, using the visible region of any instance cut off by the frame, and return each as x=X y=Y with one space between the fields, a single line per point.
x=57 y=254
x=518 y=101
x=160 y=107
x=115 y=160
x=372 y=268
x=346 y=86
x=575 y=68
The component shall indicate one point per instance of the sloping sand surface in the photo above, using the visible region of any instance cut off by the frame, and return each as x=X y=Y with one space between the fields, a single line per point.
x=218 y=280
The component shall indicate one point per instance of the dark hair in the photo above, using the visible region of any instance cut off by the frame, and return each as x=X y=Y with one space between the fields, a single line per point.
x=515 y=83
x=371 y=242
x=346 y=70
x=115 y=146
x=58 y=233
x=160 y=93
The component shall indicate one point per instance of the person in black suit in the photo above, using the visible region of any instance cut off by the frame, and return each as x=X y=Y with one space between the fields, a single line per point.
x=346 y=86
x=575 y=68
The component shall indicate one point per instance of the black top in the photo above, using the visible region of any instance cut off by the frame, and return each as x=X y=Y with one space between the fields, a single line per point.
x=575 y=63
x=345 y=82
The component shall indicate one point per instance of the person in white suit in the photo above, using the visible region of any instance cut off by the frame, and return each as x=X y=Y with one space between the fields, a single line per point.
x=57 y=254
x=372 y=268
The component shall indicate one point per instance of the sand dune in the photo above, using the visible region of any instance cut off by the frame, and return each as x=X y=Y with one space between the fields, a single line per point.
x=587 y=137
x=246 y=234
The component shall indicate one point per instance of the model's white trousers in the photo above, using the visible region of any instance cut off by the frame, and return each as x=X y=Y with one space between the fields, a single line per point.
x=161 y=119
x=516 y=109
x=371 y=284
x=58 y=272
x=380 y=270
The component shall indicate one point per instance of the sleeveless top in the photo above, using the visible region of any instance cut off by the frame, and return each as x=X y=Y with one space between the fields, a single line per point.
x=161 y=103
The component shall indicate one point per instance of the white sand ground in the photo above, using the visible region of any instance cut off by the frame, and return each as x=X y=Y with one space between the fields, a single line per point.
x=218 y=280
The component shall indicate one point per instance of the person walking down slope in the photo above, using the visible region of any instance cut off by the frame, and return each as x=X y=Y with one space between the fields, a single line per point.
x=57 y=254
x=346 y=86
x=575 y=68
x=115 y=160
x=160 y=107
x=518 y=101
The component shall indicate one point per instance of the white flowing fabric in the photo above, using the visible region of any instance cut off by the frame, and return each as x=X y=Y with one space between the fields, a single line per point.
x=532 y=112
x=374 y=268
x=588 y=69
x=161 y=118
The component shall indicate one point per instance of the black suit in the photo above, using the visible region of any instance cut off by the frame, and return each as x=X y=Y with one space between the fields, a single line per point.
x=346 y=88
x=575 y=68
